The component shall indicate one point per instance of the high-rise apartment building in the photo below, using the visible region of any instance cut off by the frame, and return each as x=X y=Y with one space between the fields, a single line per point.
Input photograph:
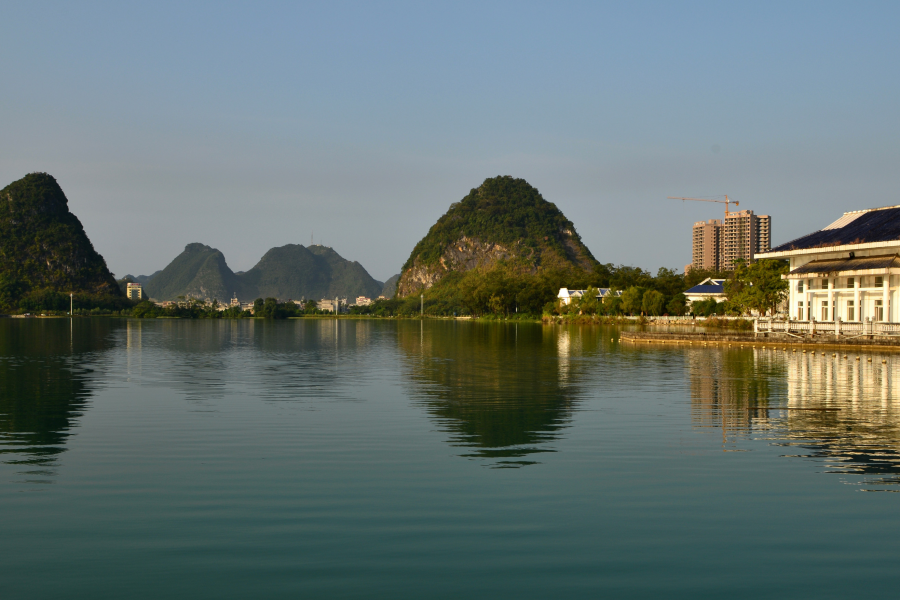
x=707 y=238
x=717 y=244
x=745 y=234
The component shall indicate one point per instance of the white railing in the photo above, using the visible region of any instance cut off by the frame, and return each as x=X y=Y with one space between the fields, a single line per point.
x=841 y=328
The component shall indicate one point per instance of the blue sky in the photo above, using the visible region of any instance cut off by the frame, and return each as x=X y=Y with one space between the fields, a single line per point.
x=251 y=125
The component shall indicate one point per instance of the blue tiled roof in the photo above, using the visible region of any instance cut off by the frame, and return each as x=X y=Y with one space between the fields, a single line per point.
x=706 y=289
x=880 y=225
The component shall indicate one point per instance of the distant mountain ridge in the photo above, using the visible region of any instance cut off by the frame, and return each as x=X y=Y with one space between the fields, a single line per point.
x=43 y=246
x=287 y=272
x=390 y=286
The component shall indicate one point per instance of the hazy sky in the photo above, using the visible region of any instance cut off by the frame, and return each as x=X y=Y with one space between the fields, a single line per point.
x=251 y=125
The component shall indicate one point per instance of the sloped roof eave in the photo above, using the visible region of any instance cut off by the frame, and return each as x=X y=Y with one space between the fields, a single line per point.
x=844 y=248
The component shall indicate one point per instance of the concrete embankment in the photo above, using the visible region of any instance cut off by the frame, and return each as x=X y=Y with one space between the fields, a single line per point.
x=771 y=339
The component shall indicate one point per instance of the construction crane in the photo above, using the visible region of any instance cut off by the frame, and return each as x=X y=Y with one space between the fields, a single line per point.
x=726 y=201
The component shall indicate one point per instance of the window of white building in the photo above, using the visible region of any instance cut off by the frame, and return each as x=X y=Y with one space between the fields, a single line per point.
x=851 y=283
x=879 y=309
x=879 y=282
x=851 y=311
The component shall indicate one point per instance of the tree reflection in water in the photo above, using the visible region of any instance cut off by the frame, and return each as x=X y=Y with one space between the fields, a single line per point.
x=46 y=368
x=843 y=412
x=505 y=391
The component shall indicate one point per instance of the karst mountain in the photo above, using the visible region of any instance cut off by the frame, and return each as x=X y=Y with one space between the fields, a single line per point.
x=505 y=221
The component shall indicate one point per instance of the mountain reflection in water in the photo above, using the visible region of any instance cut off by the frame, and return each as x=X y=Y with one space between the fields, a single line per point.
x=505 y=391
x=46 y=368
x=843 y=412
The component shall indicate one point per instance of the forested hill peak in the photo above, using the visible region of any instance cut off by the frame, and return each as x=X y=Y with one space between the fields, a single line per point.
x=200 y=271
x=286 y=272
x=295 y=271
x=503 y=220
x=43 y=246
x=35 y=195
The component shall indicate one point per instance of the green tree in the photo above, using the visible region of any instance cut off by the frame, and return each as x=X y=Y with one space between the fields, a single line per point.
x=612 y=305
x=589 y=304
x=632 y=300
x=757 y=287
x=677 y=306
x=653 y=303
x=708 y=307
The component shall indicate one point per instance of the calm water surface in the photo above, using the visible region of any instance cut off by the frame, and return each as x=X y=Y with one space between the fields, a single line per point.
x=371 y=459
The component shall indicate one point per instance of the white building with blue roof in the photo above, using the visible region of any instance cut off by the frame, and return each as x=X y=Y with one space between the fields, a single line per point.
x=706 y=289
x=849 y=270
x=566 y=295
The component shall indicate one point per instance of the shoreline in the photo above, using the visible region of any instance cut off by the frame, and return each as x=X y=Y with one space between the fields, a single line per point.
x=764 y=340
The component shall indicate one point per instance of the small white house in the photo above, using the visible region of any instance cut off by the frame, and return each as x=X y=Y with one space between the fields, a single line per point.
x=706 y=289
x=566 y=295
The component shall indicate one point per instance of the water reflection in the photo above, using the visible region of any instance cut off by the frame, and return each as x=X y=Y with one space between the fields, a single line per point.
x=840 y=411
x=734 y=389
x=296 y=360
x=504 y=391
x=46 y=379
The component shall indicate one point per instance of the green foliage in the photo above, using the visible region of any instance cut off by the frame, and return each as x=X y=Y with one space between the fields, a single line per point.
x=707 y=308
x=187 y=308
x=612 y=305
x=43 y=246
x=677 y=305
x=653 y=303
x=756 y=287
x=506 y=211
x=589 y=304
x=270 y=308
x=633 y=300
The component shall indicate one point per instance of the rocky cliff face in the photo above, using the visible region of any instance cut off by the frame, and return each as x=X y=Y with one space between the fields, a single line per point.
x=504 y=220
x=462 y=255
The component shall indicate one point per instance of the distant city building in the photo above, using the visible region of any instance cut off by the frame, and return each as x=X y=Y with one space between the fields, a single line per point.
x=235 y=302
x=745 y=235
x=717 y=245
x=329 y=304
x=363 y=301
x=707 y=245
x=134 y=291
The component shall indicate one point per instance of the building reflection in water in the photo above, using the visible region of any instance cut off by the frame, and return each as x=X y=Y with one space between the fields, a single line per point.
x=844 y=412
x=502 y=392
x=732 y=389
x=48 y=371
x=297 y=361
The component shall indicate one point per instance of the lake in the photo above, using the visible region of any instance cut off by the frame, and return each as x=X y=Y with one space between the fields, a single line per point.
x=438 y=459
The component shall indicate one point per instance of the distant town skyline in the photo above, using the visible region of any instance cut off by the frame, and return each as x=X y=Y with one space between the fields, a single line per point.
x=247 y=127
